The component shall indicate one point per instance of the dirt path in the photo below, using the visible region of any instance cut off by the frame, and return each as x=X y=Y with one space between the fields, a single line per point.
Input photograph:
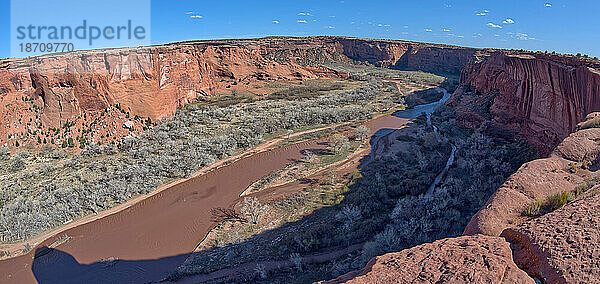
x=247 y=269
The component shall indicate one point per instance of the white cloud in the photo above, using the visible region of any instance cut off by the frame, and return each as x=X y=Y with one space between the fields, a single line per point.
x=460 y=36
x=304 y=14
x=428 y=30
x=275 y=22
x=330 y=27
x=509 y=21
x=302 y=21
x=521 y=36
x=492 y=25
x=189 y=13
x=196 y=17
x=406 y=27
x=548 y=4
x=483 y=13
x=445 y=30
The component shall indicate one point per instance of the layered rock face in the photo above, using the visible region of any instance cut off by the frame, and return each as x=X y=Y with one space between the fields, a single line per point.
x=150 y=82
x=539 y=97
x=383 y=53
x=102 y=90
x=471 y=259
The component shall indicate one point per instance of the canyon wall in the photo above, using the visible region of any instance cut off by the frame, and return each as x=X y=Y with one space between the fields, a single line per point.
x=107 y=94
x=383 y=53
x=538 y=97
x=110 y=87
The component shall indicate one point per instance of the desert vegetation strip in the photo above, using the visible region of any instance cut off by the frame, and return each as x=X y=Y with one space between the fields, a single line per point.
x=127 y=150
x=61 y=187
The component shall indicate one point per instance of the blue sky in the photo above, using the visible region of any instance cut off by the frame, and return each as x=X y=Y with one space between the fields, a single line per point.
x=566 y=26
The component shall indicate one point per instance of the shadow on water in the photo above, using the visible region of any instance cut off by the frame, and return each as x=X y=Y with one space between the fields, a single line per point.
x=52 y=265
x=56 y=266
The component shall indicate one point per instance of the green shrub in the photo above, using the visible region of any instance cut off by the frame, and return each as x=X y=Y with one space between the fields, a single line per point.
x=534 y=209
x=592 y=123
x=552 y=203
x=557 y=201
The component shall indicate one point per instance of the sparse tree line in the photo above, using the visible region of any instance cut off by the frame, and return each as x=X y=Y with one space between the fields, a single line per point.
x=46 y=189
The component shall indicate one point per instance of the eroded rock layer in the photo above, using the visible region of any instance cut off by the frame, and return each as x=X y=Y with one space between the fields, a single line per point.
x=539 y=97
x=572 y=162
x=562 y=246
x=470 y=259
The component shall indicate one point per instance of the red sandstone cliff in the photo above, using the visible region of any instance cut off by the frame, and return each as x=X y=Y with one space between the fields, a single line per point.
x=85 y=87
x=384 y=53
x=467 y=259
x=541 y=97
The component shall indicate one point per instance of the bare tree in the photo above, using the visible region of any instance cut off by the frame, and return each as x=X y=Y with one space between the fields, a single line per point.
x=4 y=153
x=221 y=214
x=261 y=271
x=349 y=215
x=362 y=132
x=296 y=259
x=338 y=143
x=252 y=210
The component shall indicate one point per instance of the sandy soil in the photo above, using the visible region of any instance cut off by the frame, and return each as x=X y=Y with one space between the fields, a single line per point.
x=231 y=274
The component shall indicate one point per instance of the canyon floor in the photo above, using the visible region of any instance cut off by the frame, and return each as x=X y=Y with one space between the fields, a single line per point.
x=299 y=160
